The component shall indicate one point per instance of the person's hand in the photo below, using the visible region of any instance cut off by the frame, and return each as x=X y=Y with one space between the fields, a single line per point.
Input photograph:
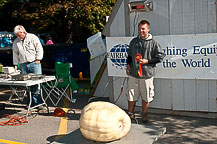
x=37 y=61
x=128 y=70
x=15 y=68
x=143 y=61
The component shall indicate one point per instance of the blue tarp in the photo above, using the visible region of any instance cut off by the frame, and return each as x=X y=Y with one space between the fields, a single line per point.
x=6 y=39
x=77 y=54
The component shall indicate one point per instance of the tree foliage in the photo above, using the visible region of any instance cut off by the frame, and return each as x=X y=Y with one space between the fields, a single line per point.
x=68 y=20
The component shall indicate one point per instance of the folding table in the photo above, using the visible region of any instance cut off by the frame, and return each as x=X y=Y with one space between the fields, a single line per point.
x=27 y=83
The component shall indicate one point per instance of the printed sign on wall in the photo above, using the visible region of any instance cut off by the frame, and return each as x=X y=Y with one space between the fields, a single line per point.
x=187 y=56
x=96 y=45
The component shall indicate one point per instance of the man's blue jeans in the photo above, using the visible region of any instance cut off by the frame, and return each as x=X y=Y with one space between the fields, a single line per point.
x=32 y=67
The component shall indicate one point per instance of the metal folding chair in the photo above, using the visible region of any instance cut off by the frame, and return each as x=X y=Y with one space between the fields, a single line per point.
x=64 y=85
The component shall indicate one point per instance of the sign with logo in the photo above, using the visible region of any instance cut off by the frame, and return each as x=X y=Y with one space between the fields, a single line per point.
x=116 y=55
x=187 y=56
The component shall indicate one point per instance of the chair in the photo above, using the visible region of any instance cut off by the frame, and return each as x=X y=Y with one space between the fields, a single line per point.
x=63 y=86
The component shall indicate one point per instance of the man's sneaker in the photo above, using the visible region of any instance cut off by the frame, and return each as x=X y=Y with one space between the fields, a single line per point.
x=132 y=117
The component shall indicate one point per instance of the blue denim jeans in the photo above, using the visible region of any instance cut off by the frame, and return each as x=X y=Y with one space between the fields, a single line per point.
x=32 y=67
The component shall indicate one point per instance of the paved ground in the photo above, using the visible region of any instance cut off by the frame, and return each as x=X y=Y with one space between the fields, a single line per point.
x=186 y=130
x=138 y=134
x=45 y=128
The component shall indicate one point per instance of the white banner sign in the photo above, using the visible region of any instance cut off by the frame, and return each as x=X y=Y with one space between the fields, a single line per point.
x=96 y=45
x=187 y=56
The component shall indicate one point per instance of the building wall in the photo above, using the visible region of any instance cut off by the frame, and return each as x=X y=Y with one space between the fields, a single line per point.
x=172 y=17
x=118 y=25
x=102 y=89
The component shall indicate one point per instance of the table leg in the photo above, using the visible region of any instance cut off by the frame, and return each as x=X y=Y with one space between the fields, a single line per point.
x=16 y=91
x=44 y=100
x=30 y=101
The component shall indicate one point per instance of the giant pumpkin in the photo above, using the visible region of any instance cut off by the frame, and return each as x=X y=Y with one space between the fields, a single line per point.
x=103 y=122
